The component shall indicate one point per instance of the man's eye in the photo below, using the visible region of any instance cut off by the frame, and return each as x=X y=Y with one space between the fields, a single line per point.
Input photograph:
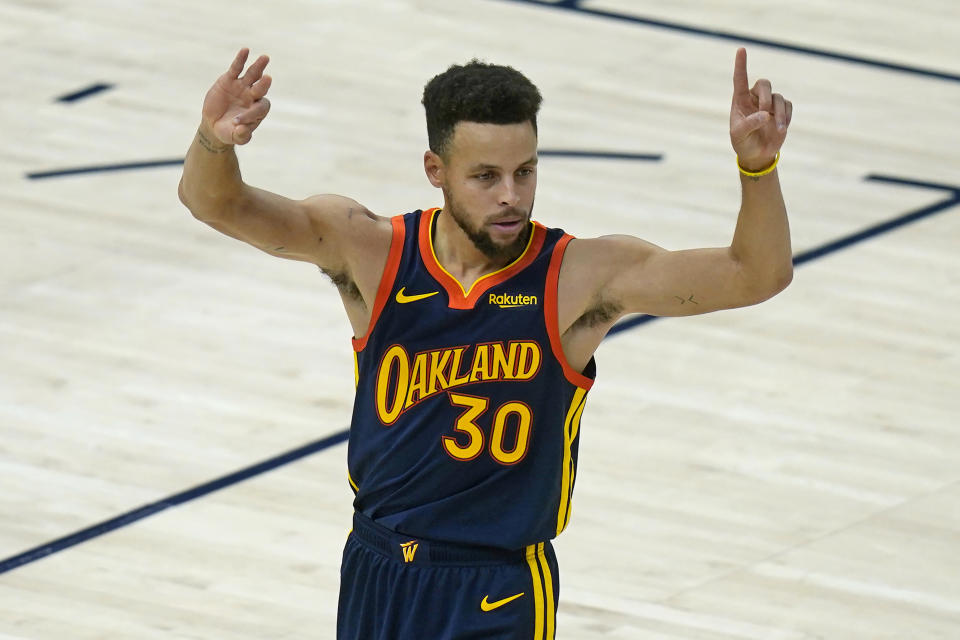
x=524 y=172
x=484 y=176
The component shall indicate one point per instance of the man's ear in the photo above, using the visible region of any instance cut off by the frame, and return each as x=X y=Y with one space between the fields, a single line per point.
x=434 y=168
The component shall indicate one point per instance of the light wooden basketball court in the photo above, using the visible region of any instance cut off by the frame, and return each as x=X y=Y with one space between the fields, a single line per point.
x=789 y=471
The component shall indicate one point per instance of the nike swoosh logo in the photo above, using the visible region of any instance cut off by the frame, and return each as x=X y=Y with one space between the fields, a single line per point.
x=404 y=299
x=490 y=606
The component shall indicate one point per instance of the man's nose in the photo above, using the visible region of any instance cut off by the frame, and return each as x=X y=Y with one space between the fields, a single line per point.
x=508 y=195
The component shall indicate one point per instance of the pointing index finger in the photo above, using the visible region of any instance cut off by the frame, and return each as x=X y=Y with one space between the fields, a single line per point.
x=740 y=84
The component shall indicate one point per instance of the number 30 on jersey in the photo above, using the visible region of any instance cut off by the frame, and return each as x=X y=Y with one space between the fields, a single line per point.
x=469 y=442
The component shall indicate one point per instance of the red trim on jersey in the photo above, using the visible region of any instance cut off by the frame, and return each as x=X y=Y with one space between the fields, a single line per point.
x=386 y=280
x=460 y=299
x=550 y=315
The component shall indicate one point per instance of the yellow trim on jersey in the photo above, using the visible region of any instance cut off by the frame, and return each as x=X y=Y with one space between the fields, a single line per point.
x=466 y=293
x=356 y=382
x=573 y=477
x=537 y=592
x=576 y=422
x=573 y=469
x=571 y=425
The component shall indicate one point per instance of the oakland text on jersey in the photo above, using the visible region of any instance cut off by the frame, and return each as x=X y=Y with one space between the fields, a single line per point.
x=402 y=382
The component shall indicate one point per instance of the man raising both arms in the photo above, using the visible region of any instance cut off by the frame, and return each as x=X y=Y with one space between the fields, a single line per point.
x=475 y=329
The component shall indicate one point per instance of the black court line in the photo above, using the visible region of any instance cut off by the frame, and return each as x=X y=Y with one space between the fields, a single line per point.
x=574 y=6
x=847 y=241
x=150 y=164
x=130 y=517
x=842 y=243
x=105 y=168
x=85 y=93
x=599 y=155
x=60 y=544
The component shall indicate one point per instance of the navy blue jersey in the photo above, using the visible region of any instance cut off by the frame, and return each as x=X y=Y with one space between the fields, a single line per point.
x=466 y=419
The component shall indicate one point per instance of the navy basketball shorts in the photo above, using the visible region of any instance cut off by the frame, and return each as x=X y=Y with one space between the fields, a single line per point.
x=393 y=587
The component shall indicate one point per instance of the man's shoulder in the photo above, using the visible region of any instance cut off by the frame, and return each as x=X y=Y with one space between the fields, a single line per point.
x=590 y=265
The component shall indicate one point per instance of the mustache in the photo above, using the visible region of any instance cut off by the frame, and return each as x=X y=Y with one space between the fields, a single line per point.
x=510 y=214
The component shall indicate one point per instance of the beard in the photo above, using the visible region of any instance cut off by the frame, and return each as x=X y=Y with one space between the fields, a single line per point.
x=482 y=239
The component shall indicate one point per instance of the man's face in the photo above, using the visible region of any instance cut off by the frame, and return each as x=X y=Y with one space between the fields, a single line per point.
x=489 y=181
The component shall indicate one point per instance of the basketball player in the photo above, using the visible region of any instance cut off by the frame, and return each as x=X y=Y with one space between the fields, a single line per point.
x=475 y=329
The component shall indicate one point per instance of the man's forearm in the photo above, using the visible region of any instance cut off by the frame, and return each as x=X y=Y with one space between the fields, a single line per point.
x=211 y=175
x=761 y=241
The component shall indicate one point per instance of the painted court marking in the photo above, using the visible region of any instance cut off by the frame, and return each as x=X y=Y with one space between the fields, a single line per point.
x=85 y=93
x=952 y=200
x=54 y=546
x=105 y=168
x=176 y=162
x=574 y=6
x=599 y=155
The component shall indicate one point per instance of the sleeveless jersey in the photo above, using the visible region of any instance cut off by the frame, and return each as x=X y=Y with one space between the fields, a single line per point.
x=466 y=418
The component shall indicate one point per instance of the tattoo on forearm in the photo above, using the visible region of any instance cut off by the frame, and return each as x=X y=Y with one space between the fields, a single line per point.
x=684 y=301
x=210 y=145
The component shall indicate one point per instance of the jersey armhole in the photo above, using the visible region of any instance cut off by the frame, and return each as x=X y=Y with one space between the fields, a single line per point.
x=386 y=280
x=550 y=315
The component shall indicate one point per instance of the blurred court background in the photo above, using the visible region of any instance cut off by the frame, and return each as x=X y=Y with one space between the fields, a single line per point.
x=789 y=471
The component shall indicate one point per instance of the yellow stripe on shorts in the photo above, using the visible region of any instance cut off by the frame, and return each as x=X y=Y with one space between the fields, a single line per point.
x=537 y=592
x=544 y=620
x=549 y=602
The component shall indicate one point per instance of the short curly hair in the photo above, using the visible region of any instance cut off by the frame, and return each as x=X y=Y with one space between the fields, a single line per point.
x=477 y=92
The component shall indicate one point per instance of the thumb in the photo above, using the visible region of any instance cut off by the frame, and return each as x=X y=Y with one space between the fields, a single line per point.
x=242 y=134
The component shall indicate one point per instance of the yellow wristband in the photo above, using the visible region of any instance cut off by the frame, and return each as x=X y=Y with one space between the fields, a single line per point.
x=757 y=174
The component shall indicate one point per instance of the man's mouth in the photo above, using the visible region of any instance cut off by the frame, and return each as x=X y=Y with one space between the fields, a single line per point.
x=510 y=225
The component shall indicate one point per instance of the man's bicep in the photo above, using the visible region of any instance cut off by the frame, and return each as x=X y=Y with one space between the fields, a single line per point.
x=306 y=230
x=278 y=225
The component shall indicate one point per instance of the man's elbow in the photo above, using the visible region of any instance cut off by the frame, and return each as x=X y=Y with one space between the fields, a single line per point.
x=182 y=194
x=772 y=284
x=783 y=279
x=758 y=288
x=185 y=199
x=192 y=203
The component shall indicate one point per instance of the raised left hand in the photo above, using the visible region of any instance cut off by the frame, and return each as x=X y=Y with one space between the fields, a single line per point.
x=758 y=118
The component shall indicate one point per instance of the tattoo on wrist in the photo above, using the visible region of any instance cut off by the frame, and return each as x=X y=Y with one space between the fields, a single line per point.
x=684 y=301
x=210 y=145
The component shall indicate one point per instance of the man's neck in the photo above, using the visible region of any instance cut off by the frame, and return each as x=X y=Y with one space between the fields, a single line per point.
x=457 y=254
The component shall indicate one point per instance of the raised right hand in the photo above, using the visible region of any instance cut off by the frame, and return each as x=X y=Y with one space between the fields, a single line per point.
x=758 y=118
x=234 y=106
